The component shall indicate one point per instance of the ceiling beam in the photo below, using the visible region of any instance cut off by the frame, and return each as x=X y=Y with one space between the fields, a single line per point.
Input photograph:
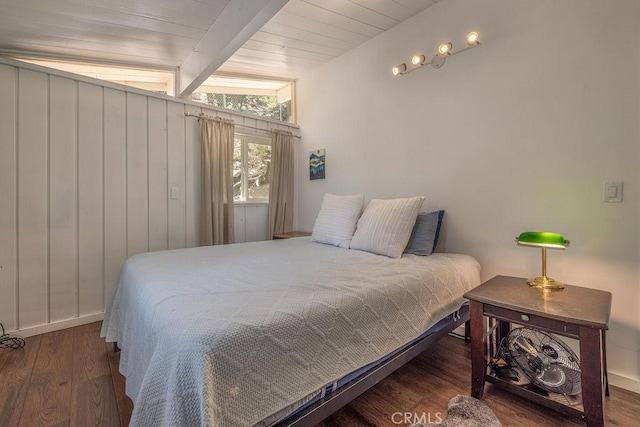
x=238 y=21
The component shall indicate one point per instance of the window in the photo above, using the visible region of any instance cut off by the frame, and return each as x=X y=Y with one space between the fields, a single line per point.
x=251 y=168
x=265 y=98
x=260 y=105
x=157 y=81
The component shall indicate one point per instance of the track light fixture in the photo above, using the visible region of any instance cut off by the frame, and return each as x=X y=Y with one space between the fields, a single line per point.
x=399 y=69
x=472 y=38
x=418 y=59
x=444 y=50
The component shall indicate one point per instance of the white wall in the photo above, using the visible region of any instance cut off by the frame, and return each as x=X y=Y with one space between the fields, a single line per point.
x=517 y=134
x=85 y=172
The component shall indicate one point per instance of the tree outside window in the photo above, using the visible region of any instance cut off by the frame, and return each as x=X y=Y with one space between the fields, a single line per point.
x=251 y=168
x=260 y=105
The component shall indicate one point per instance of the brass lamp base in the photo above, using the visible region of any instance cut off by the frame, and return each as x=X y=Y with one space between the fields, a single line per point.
x=545 y=282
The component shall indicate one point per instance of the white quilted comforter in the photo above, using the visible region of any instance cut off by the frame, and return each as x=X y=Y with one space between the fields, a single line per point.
x=229 y=335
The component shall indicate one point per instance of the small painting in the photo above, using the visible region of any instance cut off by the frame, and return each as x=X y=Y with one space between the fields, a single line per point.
x=316 y=164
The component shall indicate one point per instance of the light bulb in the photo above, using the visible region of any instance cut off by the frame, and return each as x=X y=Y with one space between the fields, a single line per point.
x=445 y=48
x=418 y=59
x=399 y=69
x=472 y=38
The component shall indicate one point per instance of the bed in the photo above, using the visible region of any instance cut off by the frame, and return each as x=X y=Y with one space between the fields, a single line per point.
x=247 y=334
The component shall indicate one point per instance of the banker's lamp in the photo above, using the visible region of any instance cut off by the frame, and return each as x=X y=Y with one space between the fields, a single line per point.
x=543 y=240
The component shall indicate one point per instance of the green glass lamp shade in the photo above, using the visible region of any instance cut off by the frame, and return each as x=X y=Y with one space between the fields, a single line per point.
x=542 y=239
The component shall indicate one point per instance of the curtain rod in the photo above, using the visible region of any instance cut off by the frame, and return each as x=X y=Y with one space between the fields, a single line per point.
x=202 y=115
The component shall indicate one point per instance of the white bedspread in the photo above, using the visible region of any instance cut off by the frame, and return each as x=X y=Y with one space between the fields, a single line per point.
x=228 y=335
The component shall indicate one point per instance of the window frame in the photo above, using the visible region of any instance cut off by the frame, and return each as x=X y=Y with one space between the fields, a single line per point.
x=245 y=140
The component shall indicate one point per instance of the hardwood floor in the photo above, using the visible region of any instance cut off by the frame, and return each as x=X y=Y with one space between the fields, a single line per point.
x=63 y=378
x=71 y=378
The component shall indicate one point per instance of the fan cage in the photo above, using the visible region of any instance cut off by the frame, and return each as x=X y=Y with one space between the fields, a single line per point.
x=553 y=366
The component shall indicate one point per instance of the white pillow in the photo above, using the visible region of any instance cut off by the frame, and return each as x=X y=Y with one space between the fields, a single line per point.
x=385 y=226
x=337 y=219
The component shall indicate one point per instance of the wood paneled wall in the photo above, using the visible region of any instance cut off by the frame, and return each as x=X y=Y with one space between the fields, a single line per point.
x=86 y=169
x=251 y=222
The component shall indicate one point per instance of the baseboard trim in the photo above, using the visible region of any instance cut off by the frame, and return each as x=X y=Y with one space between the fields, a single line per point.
x=624 y=382
x=56 y=326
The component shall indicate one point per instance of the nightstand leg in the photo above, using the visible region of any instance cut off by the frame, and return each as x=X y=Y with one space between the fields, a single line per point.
x=467 y=332
x=502 y=331
x=478 y=361
x=591 y=366
x=604 y=363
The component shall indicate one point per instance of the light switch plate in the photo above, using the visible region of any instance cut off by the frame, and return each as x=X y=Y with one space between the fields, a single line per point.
x=612 y=192
x=175 y=193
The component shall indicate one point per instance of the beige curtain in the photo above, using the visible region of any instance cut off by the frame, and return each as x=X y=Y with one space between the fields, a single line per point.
x=216 y=211
x=281 y=185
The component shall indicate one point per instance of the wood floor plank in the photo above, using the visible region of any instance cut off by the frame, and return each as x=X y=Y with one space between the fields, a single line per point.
x=118 y=378
x=433 y=406
x=622 y=408
x=15 y=372
x=520 y=412
x=412 y=377
x=94 y=403
x=393 y=391
x=125 y=409
x=4 y=353
x=347 y=417
x=125 y=405
x=373 y=409
x=90 y=359
x=49 y=396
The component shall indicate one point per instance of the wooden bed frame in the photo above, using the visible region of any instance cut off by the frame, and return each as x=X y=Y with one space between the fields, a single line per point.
x=331 y=403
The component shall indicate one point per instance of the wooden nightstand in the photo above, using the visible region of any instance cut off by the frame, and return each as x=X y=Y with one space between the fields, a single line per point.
x=575 y=312
x=290 y=234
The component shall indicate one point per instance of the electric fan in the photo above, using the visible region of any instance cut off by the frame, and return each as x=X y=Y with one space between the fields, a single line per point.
x=548 y=362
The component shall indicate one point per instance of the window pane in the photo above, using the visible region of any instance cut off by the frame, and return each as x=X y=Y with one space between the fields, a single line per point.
x=258 y=170
x=260 y=105
x=237 y=169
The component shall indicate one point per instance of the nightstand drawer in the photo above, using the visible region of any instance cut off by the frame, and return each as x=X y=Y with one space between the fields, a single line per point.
x=525 y=319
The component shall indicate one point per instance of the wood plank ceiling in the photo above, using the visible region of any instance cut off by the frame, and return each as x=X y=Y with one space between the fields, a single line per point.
x=162 y=34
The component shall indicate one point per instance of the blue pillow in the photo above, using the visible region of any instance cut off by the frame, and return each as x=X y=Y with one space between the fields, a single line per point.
x=424 y=237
